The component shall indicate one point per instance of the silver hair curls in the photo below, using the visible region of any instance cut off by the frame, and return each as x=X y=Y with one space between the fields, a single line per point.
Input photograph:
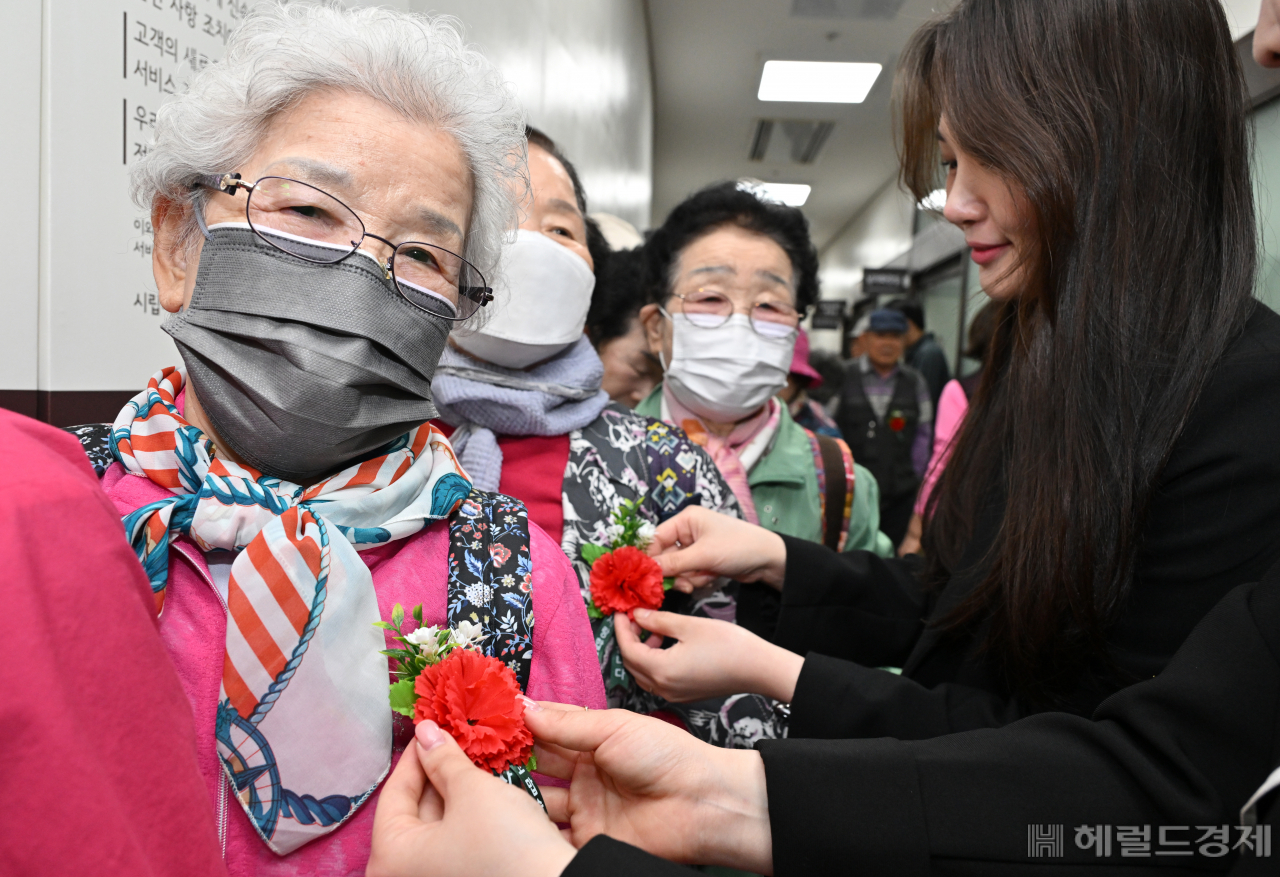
x=419 y=65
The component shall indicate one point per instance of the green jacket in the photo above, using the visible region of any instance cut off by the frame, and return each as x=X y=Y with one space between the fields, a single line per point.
x=784 y=488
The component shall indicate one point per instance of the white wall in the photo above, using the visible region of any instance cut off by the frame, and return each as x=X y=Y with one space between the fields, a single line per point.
x=581 y=68
x=872 y=239
x=1242 y=16
x=107 y=66
x=20 y=220
x=1266 y=183
x=80 y=312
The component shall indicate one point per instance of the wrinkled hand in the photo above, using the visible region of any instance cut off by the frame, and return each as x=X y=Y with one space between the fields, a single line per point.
x=436 y=827
x=698 y=545
x=710 y=658
x=648 y=783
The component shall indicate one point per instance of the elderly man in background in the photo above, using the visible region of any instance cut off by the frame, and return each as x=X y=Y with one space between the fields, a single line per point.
x=886 y=416
x=855 y=340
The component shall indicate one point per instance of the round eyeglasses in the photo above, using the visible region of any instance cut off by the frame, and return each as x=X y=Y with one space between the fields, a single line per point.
x=304 y=221
x=711 y=308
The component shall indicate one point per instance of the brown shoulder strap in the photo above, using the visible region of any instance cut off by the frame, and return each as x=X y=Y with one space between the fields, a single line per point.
x=836 y=488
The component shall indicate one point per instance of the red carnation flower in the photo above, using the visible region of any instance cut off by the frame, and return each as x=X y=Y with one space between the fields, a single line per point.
x=476 y=699
x=897 y=424
x=626 y=579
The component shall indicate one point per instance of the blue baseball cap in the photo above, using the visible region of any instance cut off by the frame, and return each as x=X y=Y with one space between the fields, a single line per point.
x=886 y=320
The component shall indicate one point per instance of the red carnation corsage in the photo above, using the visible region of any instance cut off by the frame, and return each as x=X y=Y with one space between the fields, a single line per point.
x=626 y=579
x=477 y=700
x=623 y=577
x=443 y=676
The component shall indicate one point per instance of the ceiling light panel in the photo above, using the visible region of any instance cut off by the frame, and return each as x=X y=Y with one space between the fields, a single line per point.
x=818 y=82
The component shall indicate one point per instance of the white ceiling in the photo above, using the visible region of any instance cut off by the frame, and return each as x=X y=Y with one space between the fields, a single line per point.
x=707 y=58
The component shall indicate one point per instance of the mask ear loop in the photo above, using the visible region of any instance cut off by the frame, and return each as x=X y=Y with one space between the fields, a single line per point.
x=198 y=206
x=662 y=357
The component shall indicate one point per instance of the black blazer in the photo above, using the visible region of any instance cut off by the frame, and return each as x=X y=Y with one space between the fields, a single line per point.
x=1188 y=748
x=1214 y=523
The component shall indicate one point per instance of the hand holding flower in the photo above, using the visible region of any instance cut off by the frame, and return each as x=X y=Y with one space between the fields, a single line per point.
x=432 y=806
x=698 y=545
x=643 y=781
x=711 y=658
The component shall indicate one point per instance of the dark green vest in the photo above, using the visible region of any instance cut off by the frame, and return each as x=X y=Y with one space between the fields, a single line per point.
x=876 y=443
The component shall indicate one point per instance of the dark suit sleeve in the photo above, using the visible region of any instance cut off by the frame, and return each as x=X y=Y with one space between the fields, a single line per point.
x=1184 y=749
x=853 y=605
x=602 y=856
x=835 y=699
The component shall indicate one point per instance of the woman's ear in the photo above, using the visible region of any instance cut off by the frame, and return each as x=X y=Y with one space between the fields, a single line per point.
x=651 y=320
x=173 y=260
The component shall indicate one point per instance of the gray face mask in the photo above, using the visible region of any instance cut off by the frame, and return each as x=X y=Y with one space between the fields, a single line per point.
x=303 y=367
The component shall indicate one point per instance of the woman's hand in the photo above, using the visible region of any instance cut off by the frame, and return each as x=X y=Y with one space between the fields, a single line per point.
x=650 y=784
x=911 y=542
x=698 y=545
x=438 y=828
x=710 y=658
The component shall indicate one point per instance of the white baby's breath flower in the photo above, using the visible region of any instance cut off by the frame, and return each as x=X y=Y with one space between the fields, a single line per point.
x=613 y=533
x=467 y=634
x=425 y=638
x=645 y=534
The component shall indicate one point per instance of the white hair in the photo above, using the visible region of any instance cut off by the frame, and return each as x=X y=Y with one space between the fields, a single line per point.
x=418 y=65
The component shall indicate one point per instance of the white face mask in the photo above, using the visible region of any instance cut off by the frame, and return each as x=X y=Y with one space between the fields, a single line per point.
x=540 y=304
x=726 y=373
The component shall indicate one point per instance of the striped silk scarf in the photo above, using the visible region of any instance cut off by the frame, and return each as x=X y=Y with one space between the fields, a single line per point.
x=303 y=724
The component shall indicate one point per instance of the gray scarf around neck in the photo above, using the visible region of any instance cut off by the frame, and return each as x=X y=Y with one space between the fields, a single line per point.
x=485 y=401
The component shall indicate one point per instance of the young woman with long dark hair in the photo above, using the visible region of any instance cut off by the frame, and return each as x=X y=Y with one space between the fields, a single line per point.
x=1119 y=470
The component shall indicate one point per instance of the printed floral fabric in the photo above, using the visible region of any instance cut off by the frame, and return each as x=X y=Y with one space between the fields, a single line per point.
x=734 y=722
x=95 y=438
x=623 y=455
x=491 y=577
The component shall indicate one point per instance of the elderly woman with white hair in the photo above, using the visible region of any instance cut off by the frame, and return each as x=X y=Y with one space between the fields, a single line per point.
x=326 y=201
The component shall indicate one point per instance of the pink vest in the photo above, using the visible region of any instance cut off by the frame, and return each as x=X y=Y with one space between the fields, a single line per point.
x=408 y=572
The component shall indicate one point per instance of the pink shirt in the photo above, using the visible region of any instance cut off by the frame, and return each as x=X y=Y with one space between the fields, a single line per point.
x=99 y=769
x=952 y=406
x=409 y=571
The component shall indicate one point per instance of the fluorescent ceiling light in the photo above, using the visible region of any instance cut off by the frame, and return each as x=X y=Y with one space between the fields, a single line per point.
x=818 y=82
x=935 y=200
x=790 y=194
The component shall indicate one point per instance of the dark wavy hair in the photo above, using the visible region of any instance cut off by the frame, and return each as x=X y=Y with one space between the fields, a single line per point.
x=618 y=296
x=912 y=310
x=597 y=246
x=1125 y=123
x=721 y=205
